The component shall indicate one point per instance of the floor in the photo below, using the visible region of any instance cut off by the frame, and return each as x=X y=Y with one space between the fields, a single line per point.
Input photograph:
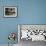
x=7 y=45
x=28 y=43
x=34 y=43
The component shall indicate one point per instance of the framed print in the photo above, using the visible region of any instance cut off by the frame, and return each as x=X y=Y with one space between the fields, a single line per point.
x=10 y=11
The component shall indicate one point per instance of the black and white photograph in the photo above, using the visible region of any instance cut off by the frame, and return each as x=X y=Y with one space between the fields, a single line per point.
x=10 y=11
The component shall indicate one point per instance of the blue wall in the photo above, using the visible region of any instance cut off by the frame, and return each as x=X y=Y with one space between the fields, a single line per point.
x=29 y=12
